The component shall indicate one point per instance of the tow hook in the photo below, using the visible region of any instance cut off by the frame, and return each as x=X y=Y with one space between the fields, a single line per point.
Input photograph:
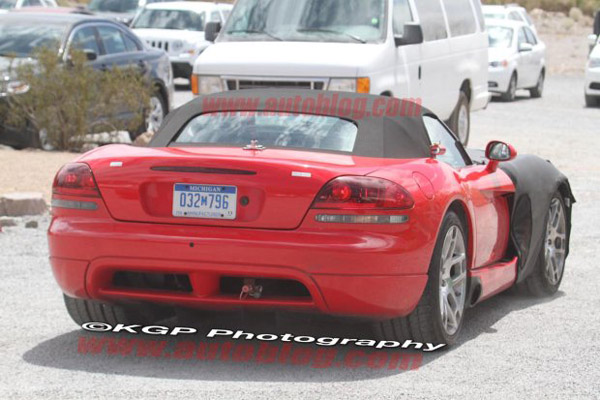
x=251 y=289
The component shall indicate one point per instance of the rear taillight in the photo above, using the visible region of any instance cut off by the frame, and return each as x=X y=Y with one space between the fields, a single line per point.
x=75 y=180
x=363 y=193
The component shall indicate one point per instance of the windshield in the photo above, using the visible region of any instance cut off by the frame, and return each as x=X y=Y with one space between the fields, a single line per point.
x=170 y=19
x=22 y=38
x=118 y=6
x=7 y=4
x=307 y=20
x=284 y=130
x=500 y=37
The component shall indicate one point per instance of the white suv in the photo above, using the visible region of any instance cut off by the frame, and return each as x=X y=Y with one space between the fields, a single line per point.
x=511 y=12
x=421 y=49
x=178 y=29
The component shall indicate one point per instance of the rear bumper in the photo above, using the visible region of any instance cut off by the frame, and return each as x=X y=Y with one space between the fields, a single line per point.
x=592 y=82
x=349 y=273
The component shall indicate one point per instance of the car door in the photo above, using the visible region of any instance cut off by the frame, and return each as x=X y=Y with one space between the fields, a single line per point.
x=114 y=48
x=524 y=61
x=486 y=195
x=438 y=93
x=407 y=71
x=537 y=55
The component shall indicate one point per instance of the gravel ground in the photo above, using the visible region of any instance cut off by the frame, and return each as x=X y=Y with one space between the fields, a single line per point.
x=512 y=346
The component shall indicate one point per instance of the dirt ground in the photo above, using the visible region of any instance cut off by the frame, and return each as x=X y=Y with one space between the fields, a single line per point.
x=30 y=170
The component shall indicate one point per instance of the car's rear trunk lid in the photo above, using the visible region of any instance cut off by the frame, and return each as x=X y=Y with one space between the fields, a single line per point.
x=274 y=188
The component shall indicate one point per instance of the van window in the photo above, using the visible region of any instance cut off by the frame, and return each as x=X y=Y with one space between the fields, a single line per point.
x=479 y=14
x=460 y=17
x=432 y=20
x=401 y=15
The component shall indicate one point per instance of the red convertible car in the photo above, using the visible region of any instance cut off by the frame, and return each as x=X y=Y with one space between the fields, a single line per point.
x=387 y=218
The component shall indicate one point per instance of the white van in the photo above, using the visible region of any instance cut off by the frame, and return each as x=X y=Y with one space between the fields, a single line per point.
x=433 y=50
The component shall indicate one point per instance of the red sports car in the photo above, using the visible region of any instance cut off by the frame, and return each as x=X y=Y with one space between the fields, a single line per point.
x=384 y=217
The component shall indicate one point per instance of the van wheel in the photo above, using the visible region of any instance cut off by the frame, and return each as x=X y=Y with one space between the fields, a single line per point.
x=439 y=315
x=511 y=92
x=460 y=121
x=538 y=90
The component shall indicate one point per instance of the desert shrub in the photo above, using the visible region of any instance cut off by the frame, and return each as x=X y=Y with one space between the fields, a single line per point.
x=70 y=100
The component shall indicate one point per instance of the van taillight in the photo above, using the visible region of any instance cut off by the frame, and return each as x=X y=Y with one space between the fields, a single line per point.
x=75 y=180
x=363 y=193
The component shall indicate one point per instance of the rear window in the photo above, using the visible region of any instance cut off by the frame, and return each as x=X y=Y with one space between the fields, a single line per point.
x=306 y=132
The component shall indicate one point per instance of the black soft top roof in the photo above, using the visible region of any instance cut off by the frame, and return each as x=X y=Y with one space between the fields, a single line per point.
x=401 y=137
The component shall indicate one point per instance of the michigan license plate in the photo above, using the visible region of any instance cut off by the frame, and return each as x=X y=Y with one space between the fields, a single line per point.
x=204 y=201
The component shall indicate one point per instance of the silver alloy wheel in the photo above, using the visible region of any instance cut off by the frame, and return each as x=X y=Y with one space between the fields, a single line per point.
x=156 y=115
x=555 y=248
x=44 y=141
x=453 y=280
x=463 y=123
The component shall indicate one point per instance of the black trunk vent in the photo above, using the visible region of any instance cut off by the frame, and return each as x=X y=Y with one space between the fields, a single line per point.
x=152 y=281
x=204 y=170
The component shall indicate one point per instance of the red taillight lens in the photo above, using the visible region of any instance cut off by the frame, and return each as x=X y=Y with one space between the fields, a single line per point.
x=363 y=193
x=75 y=180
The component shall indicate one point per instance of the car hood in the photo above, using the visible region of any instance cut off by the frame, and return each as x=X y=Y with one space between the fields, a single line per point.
x=310 y=59
x=6 y=63
x=498 y=54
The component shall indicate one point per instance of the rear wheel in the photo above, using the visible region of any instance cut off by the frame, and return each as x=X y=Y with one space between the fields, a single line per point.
x=438 y=317
x=155 y=115
x=82 y=311
x=538 y=90
x=460 y=121
x=548 y=274
x=591 y=101
x=511 y=92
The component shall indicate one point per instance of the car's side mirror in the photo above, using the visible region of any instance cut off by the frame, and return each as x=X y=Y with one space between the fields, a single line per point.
x=498 y=152
x=413 y=34
x=91 y=55
x=525 y=47
x=211 y=31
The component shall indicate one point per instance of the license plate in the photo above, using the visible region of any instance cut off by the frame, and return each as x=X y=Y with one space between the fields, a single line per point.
x=204 y=201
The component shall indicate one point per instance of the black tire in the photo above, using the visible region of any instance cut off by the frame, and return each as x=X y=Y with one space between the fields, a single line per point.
x=424 y=324
x=82 y=311
x=454 y=122
x=591 y=101
x=537 y=91
x=511 y=92
x=538 y=283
